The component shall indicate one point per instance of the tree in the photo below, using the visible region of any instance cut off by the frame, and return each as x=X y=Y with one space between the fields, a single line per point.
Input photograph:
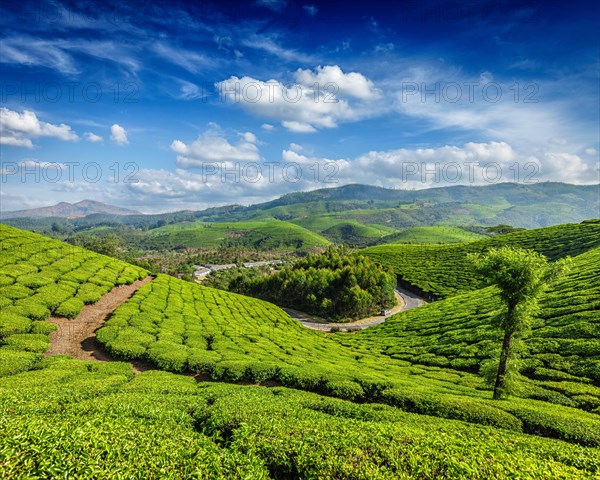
x=521 y=275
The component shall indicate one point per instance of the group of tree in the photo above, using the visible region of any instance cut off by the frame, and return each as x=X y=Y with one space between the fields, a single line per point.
x=332 y=285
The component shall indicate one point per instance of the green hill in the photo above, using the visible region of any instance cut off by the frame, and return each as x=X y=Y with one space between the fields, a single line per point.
x=374 y=412
x=563 y=355
x=264 y=235
x=72 y=419
x=40 y=277
x=434 y=234
x=442 y=270
x=520 y=205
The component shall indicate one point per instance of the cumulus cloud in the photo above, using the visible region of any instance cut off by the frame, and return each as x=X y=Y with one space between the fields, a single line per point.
x=268 y=127
x=118 y=134
x=17 y=129
x=93 y=138
x=567 y=167
x=470 y=164
x=352 y=84
x=319 y=99
x=298 y=127
x=212 y=146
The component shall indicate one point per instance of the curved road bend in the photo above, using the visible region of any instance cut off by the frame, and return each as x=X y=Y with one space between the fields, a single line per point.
x=406 y=301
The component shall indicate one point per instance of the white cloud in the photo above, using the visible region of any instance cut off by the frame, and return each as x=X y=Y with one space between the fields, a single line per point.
x=190 y=61
x=295 y=147
x=298 y=127
x=268 y=45
x=319 y=99
x=268 y=127
x=118 y=134
x=352 y=84
x=35 y=164
x=212 y=146
x=591 y=152
x=32 y=51
x=470 y=164
x=384 y=48
x=164 y=190
x=93 y=138
x=531 y=116
x=567 y=167
x=187 y=90
x=249 y=137
x=17 y=129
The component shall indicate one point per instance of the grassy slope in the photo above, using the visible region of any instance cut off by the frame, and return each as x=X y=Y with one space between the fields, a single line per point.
x=132 y=423
x=96 y=420
x=40 y=277
x=443 y=270
x=236 y=338
x=433 y=234
x=321 y=223
x=270 y=234
x=563 y=354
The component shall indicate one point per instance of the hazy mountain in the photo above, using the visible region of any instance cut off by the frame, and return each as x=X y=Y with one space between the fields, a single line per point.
x=513 y=193
x=520 y=205
x=70 y=210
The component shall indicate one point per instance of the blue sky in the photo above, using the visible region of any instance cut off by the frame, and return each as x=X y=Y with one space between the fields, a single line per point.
x=164 y=107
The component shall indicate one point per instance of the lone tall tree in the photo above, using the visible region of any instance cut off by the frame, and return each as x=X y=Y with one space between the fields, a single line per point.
x=521 y=275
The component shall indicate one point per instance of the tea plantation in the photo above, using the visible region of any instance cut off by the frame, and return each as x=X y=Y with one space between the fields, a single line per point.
x=442 y=270
x=563 y=354
x=72 y=419
x=41 y=277
x=263 y=235
x=297 y=403
x=183 y=327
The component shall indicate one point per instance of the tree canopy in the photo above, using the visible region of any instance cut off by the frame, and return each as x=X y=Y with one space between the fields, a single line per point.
x=521 y=276
x=334 y=285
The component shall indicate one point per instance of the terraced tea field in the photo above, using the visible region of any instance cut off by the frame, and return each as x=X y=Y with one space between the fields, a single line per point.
x=264 y=235
x=442 y=270
x=39 y=278
x=97 y=420
x=563 y=355
x=395 y=401
x=434 y=234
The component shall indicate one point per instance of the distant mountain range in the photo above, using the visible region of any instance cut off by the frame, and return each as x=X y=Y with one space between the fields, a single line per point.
x=520 y=205
x=69 y=210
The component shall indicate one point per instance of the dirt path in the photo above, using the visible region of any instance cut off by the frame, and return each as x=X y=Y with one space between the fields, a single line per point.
x=77 y=337
x=406 y=301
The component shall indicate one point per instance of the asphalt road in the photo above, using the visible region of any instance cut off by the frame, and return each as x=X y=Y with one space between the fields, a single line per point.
x=406 y=301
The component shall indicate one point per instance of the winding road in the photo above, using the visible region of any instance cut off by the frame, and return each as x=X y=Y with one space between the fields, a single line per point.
x=406 y=301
